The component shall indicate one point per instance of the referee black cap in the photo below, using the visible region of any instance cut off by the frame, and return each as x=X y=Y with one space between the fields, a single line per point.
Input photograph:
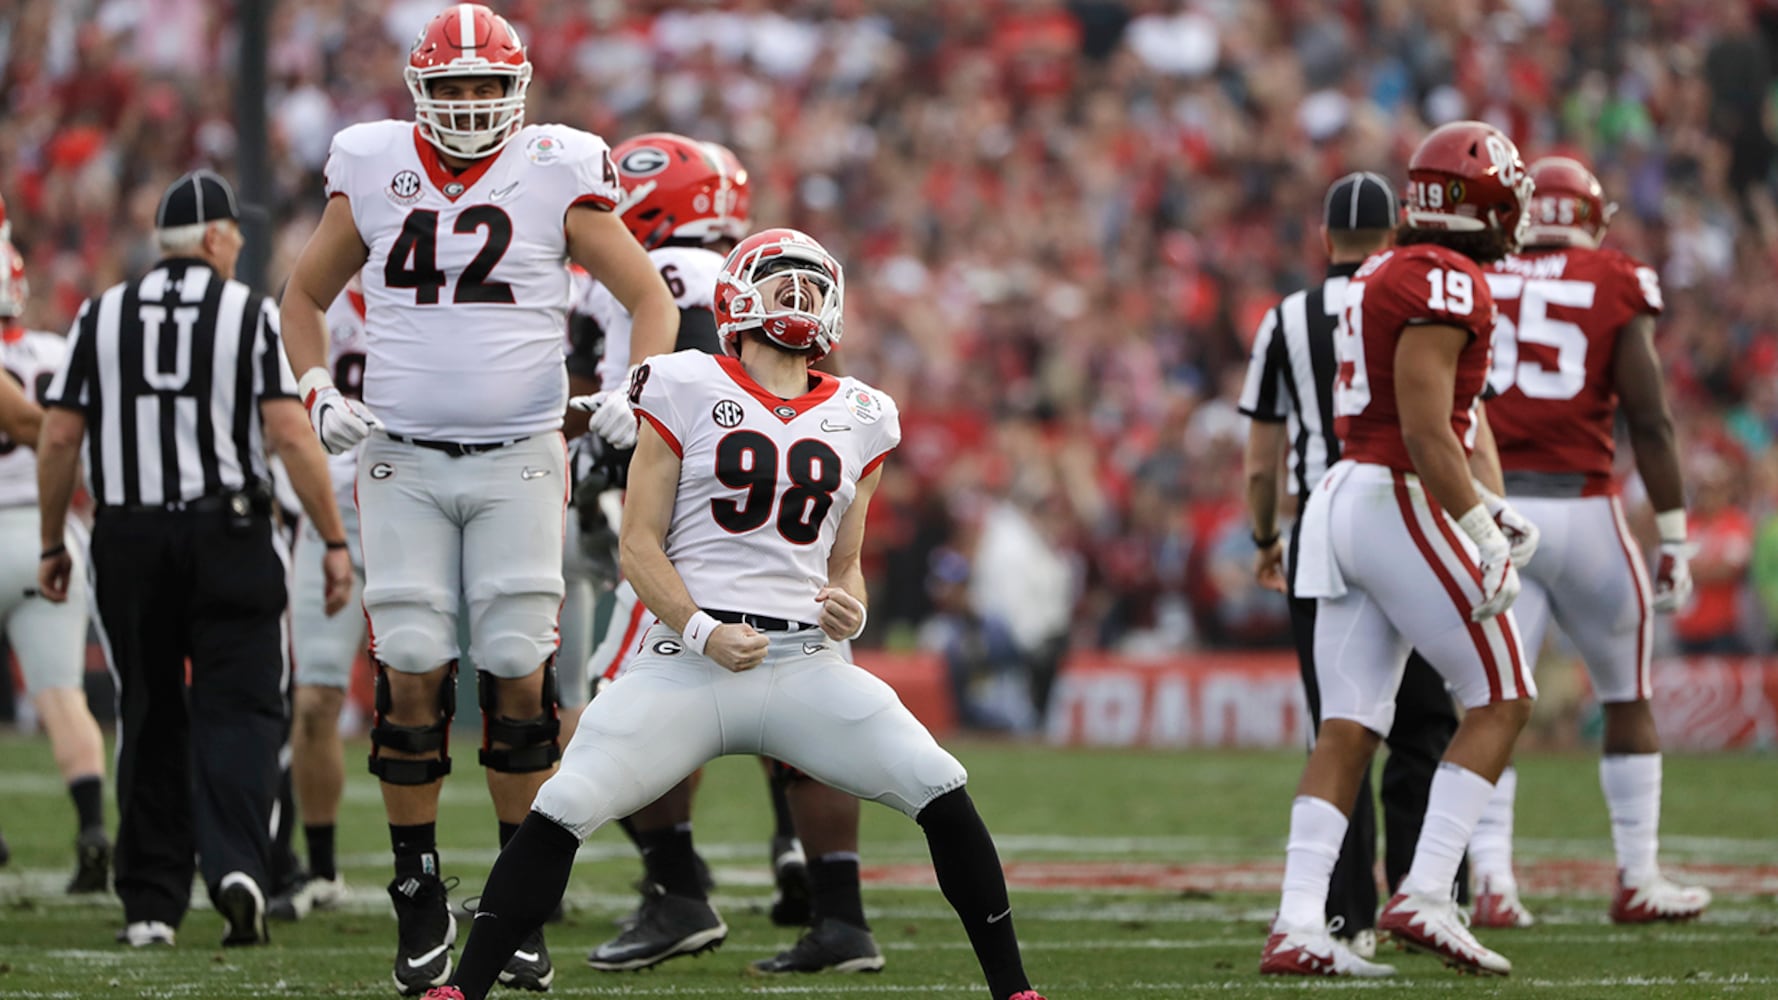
x=1361 y=200
x=199 y=197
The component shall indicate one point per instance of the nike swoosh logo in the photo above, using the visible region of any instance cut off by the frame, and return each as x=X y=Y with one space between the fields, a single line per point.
x=832 y=428
x=811 y=648
x=533 y=473
x=427 y=958
x=1000 y=916
x=479 y=914
x=525 y=956
x=499 y=193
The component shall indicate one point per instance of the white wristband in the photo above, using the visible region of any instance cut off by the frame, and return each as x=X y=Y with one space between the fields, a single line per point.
x=1490 y=499
x=863 y=617
x=313 y=379
x=698 y=629
x=1479 y=525
x=1671 y=524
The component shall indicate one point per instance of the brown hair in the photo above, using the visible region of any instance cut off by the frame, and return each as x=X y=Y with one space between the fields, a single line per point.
x=1482 y=246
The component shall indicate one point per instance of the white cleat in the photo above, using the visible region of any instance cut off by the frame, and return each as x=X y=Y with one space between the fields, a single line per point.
x=1438 y=927
x=1315 y=953
x=1497 y=905
x=1657 y=900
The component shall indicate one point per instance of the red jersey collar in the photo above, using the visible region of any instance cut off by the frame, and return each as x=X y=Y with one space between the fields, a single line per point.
x=12 y=332
x=784 y=409
x=443 y=177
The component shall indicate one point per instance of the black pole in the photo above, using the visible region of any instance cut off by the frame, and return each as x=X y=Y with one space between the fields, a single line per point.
x=252 y=158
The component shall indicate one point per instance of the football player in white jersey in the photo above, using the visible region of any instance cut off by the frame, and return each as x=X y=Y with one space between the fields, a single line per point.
x=325 y=647
x=459 y=224
x=49 y=638
x=742 y=530
x=684 y=199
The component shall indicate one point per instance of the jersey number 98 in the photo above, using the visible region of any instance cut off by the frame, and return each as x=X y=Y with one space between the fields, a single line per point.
x=748 y=460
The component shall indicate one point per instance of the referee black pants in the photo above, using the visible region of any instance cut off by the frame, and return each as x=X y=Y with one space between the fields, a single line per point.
x=197 y=760
x=1425 y=721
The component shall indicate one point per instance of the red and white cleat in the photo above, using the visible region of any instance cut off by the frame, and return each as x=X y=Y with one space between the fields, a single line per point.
x=443 y=993
x=1497 y=905
x=1315 y=953
x=1436 y=926
x=1025 y=995
x=1657 y=900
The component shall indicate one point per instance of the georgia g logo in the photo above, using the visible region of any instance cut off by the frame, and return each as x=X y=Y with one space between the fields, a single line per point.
x=668 y=647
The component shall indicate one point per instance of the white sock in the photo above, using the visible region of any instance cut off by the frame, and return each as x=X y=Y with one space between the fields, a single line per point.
x=1317 y=827
x=1452 y=808
x=1491 y=846
x=1632 y=784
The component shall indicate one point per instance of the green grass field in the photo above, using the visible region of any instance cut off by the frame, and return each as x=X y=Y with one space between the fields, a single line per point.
x=1140 y=875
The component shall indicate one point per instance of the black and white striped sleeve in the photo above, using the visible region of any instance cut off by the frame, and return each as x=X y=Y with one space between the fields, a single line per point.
x=272 y=378
x=1264 y=396
x=74 y=383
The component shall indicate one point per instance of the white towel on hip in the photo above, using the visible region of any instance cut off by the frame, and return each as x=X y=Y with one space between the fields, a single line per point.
x=1317 y=570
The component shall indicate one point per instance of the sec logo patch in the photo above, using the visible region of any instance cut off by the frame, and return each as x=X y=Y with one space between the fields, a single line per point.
x=726 y=413
x=404 y=188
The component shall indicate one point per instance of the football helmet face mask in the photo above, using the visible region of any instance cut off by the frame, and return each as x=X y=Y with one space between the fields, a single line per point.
x=785 y=285
x=737 y=220
x=14 y=290
x=468 y=40
x=1568 y=207
x=1468 y=177
x=675 y=188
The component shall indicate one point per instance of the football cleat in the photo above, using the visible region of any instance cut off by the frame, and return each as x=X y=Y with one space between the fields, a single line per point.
x=143 y=933
x=792 y=889
x=1437 y=927
x=830 y=946
x=1361 y=943
x=425 y=932
x=666 y=926
x=92 y=862
x=529 y=967
x=242 y=905
x=1497 y=905
x=1025 y=995
x=443 y=993
x=312 y=893
x=1315 y=953
x=1657 y=900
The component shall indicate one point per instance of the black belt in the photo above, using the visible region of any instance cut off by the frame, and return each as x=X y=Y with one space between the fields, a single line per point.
x=764 y=623
x=202 y=505
x=455 y=449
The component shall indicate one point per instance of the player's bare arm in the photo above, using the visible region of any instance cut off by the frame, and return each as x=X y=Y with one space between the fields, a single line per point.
x=599 y=242
x=642 y=554
x=1643 y=401
x=58 y=463
x=843 y=600
x=1484 y=458
x=333 y=254
x=20 y=419
x=287 y=434
x=1266 y=441
x=1425 y=382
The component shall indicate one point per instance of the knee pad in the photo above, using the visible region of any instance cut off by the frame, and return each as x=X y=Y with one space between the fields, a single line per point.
x=532 y=744
x=386 y=735
x=412 y=639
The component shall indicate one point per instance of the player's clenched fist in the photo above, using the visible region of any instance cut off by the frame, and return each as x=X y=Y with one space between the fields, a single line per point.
x=339 y=422
x=737 y=647
x=842 y=615
x=612 y=418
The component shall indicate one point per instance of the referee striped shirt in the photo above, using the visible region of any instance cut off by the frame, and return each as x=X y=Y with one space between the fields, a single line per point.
x=169 y=371
x=1291 y=372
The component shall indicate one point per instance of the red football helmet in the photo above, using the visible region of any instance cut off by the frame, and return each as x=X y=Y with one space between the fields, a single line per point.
x=675 y=188
x=738 y=219
x=749 y=296
x=1468 y=177
x=468 y=40
x=1569 y=206
x=14 y=290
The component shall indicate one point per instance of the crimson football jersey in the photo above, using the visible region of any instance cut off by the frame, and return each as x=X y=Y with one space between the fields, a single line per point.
x=1391 y=293
x=1554 y=345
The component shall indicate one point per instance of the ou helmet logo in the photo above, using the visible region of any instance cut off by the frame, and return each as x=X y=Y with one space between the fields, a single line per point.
x=1506 y=160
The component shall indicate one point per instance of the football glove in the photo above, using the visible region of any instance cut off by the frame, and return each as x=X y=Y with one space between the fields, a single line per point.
x=1520 y=533
x=1673 y=576
x=1500 y=581
x=611 y=416
x=339 y=422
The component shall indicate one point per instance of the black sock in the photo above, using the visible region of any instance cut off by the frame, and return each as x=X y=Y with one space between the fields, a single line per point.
x=506 y=832
x=969 y=874
x=778 y=782
x=416 y=848
x=319 y=837
x=669 y=859
x=523 y=889
x=837 y=895
x=628 y=826
x=88 y=794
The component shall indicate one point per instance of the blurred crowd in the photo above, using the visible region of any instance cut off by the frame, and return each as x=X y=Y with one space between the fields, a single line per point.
x=1062 y=222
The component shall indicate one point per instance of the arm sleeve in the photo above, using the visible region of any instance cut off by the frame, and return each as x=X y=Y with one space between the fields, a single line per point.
x=651 y=396
x=71 y=389
x=1263 y=394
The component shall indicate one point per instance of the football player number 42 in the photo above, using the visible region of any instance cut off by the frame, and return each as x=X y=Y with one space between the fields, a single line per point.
x=413 y=260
